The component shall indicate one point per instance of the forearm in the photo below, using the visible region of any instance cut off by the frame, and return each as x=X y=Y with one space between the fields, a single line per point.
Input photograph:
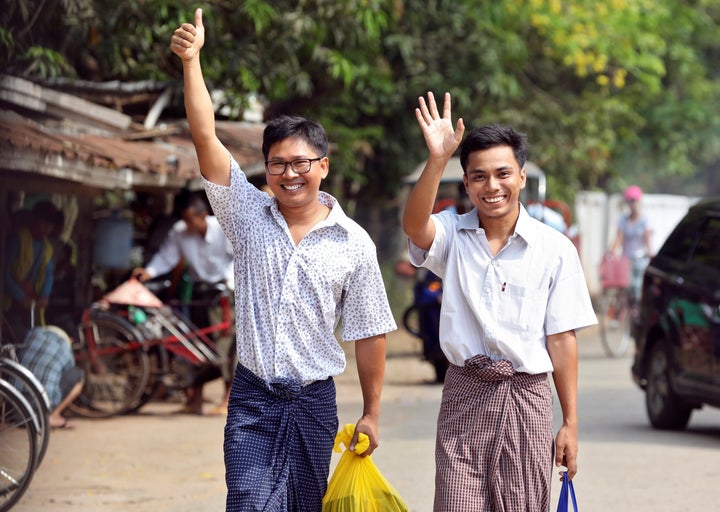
x=416 y=216
x=165 y=259
x=198 y=104
x=563 y=354
x=47 y=284
x=13 y=289
x=370 y=357
x=214 y=160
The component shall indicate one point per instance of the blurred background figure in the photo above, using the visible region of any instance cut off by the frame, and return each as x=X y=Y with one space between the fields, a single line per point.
x=633 y=238
x=198 y=243
x=29 y=271
x=47 y=353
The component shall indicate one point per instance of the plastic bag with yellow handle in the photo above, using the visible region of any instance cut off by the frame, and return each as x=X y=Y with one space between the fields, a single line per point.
x=357 y=485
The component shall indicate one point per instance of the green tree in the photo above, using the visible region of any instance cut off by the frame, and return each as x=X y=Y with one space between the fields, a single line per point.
x=608 y=92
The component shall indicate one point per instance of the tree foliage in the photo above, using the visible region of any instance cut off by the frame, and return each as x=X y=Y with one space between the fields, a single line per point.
x=608 y=92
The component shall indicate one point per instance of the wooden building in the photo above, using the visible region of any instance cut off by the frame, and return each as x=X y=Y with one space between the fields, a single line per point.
x=101 y=153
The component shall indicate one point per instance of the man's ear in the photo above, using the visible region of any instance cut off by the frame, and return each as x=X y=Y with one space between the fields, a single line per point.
x=325 y=166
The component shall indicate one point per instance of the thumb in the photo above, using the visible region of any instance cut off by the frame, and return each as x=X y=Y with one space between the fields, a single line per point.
x=460 y=129
x=198 y=18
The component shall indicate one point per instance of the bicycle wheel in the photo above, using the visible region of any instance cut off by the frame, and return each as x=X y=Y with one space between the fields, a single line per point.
x=411 y=321
x=34 y=392
x=18 y=445
x=614 y=320
x=116 y=367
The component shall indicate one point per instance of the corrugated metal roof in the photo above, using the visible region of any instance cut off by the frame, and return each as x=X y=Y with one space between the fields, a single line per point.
x=30 y=146
x=69 y=149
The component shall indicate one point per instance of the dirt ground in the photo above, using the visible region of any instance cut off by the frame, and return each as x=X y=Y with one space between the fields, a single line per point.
x=155 y=461
x=159 y=461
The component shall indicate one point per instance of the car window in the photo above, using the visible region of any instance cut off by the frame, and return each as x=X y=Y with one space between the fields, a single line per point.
x=707 y=251
x=681 y=240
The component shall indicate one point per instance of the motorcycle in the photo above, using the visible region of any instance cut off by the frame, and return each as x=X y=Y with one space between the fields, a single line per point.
x=422 y=320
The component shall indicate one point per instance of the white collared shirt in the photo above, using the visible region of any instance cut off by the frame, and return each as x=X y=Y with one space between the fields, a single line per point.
x=210 y=258
x=504 y=306
x=289 y=298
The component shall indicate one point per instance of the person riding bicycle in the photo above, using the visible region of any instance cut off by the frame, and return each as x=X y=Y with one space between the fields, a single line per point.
x=634 y=237
x=199 y=240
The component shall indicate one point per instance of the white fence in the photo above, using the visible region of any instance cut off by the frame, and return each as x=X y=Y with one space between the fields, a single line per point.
x=597 y=217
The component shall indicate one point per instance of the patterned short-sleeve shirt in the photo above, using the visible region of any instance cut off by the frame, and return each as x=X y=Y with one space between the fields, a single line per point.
x=290 y=298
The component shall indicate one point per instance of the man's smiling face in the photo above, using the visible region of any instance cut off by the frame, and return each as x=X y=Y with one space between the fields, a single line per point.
x=291 y=189
x=493 y=181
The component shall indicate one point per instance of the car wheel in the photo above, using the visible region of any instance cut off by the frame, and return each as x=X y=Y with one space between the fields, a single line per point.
x=665 y=409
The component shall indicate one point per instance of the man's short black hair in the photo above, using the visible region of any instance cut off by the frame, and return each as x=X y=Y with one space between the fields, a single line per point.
x=46 y=211
x=494 y=135
x=187 y=199
x=285 y=127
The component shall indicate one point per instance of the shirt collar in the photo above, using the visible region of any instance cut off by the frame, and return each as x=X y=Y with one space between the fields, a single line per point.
x=336 y=215
x=523 y=226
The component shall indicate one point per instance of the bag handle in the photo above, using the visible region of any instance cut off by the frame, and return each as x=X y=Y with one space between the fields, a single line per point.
x=567 y=492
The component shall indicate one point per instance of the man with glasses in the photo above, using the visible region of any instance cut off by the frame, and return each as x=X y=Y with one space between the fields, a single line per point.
x=301 y=265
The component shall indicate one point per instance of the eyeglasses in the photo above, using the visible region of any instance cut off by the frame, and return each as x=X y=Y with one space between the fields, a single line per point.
x=299 y=165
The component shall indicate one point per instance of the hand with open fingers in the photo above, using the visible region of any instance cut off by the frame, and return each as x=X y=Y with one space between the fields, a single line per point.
x=441 y=138
x=566 y=450
x=369 y=428
x=188 y=39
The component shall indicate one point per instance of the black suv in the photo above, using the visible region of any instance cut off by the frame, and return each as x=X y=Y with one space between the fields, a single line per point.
x=677 y=361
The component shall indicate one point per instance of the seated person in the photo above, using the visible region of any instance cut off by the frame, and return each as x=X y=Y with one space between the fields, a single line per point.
x=47 y=353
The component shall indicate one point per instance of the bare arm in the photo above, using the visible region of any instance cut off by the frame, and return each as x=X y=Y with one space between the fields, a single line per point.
x=647 y=239
x=617 y=244
x=562 y=348
x=442 y=141
x=214 y=159
x=370 y=357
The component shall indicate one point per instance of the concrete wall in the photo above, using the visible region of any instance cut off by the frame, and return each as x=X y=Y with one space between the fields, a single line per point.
x=597 y=216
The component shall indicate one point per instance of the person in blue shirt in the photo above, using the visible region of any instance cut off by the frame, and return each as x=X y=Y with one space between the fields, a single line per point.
x=634 y=238
x=29 y=270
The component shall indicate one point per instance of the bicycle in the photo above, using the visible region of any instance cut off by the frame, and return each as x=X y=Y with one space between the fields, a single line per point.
x=618 y=308
x=128 y=351
x=22 y=379
x=18 y=445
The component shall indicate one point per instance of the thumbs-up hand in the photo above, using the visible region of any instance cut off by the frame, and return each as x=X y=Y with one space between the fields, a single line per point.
x=188 y=39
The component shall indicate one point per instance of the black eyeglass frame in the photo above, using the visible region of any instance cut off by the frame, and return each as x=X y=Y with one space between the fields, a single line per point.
x=292 y=164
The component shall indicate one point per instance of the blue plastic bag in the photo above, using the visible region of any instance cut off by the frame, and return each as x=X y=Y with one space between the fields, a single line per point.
x=567 y=492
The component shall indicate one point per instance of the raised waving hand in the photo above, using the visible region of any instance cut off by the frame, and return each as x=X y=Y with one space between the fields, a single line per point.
x=441 y=138
x=188 y=39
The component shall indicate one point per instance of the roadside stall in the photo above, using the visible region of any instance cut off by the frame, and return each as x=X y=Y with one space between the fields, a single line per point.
x=112 y=176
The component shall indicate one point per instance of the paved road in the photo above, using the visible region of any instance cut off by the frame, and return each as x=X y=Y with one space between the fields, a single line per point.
x=158 y=462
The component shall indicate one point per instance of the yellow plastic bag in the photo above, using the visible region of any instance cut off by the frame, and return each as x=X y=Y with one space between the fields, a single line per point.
x=357 y=485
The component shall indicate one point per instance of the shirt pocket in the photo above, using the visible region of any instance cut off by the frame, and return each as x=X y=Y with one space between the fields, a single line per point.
x=527 y=307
